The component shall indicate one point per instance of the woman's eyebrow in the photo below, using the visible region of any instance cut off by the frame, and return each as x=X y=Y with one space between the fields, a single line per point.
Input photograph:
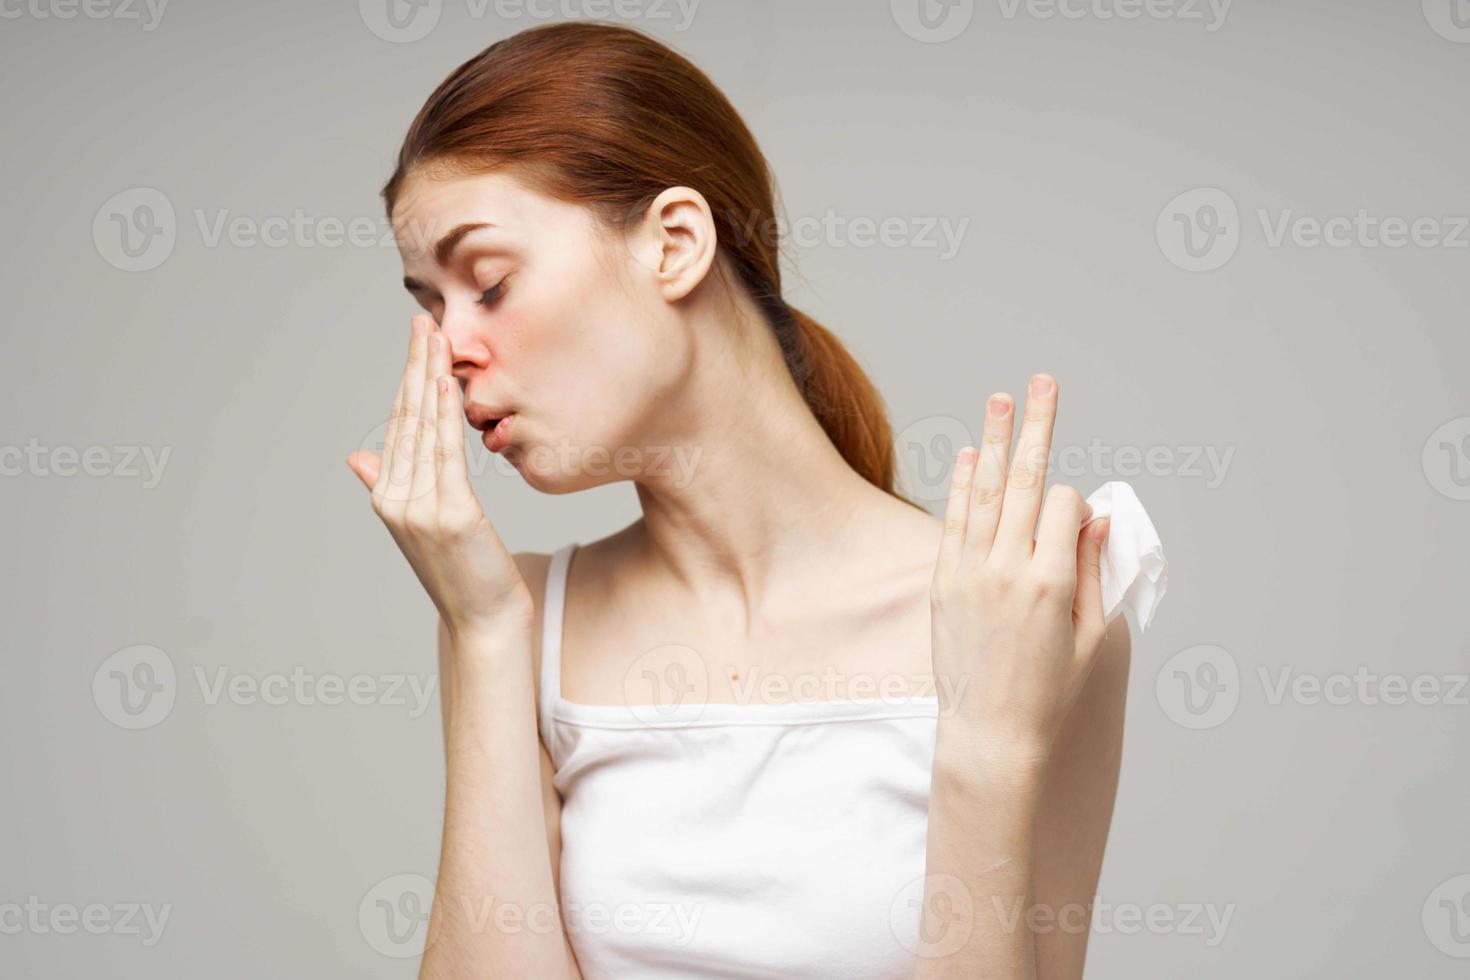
x=444 y=249
x=446 y=245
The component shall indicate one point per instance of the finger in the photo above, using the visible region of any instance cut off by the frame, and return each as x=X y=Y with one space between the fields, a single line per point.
x=390 y=435
x=454 y=481
x=956 y=512
x=1087 y=606
x=1062 y=517
x=366 y=465
x=406 y=437
x=422 y=495
x=990 y=476
x=1027 y=474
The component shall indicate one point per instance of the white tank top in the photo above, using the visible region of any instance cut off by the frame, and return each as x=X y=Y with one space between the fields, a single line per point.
x=737 y=840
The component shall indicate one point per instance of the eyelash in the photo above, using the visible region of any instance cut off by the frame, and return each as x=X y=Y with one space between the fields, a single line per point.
x=486 y=299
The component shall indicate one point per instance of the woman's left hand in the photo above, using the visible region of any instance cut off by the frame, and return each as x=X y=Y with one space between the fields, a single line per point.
x=1016 y=596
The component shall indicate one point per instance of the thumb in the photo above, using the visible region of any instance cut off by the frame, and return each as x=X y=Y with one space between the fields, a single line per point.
x=365 y=465
x=1087 y=607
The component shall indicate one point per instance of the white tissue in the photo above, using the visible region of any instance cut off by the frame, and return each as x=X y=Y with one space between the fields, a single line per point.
x=1134 y=572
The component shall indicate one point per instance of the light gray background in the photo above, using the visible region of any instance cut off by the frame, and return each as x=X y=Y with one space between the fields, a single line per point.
x=1334 y=539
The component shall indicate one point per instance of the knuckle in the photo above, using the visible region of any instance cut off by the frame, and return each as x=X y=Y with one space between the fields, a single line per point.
x=418 y=523
x=1036 y=415
x=1023 y=476
x=954 y=526
x=1051 y=585
x=988 y=496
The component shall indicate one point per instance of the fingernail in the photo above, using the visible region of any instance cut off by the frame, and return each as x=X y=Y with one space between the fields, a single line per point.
x=418 y=327
x=1041 y=385
x=1100 y=528
x=998 y=406
x=443 y=386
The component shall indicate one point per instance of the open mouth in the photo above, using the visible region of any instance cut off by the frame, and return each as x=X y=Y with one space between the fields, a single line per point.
x=496 y=429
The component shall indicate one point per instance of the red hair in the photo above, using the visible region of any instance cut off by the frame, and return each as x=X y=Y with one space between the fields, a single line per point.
x=608 y=117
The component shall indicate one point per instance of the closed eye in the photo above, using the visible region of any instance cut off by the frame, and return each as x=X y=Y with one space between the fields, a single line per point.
x=492 y=295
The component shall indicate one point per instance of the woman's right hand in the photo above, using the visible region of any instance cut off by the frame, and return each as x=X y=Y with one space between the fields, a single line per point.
x=421 y=490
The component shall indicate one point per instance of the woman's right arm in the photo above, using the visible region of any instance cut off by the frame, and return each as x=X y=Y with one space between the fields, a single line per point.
x=495 y=911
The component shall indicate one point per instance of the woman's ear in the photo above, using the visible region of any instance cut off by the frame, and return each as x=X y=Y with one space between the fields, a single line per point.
x=681 y=241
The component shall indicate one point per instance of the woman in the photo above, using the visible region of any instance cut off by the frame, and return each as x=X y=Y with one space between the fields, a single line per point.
x=785 y=724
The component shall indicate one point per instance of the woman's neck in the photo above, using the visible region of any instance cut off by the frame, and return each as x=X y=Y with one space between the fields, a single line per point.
x=752 y=494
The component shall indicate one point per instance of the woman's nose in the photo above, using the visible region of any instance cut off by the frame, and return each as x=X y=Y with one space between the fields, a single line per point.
x=468 y=350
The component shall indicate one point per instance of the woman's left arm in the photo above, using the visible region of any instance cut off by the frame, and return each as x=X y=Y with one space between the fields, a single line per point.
x=1076 y=810
x=1026 y=745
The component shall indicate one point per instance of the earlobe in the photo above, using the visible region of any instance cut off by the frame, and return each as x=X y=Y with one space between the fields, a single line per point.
x=687 y=240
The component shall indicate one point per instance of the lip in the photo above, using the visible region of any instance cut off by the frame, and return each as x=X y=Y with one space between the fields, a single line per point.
x=497 y=438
